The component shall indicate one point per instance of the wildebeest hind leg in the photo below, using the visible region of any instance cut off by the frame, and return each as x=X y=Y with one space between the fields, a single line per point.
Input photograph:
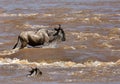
x=23 y=44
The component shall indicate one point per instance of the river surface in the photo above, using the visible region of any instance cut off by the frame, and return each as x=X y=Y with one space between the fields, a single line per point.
x=90 y=54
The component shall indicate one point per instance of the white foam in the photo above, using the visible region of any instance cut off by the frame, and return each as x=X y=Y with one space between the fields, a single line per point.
x=63 y=64
x=69 y=19
x=1 y=43
x=48 y=15
x=17 y=15
x=8 y=52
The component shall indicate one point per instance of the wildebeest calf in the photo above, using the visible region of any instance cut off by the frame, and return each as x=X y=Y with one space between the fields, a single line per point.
x=34 y=72
x=40 y=37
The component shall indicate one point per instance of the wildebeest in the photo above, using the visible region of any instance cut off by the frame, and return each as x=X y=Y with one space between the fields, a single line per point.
x=40 y=37
x=34 y=72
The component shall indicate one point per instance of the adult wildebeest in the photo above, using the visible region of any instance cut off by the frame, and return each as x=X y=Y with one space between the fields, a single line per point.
x=40 y=37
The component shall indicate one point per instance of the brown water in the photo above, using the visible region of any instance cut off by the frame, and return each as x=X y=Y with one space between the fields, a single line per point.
x=90 y=55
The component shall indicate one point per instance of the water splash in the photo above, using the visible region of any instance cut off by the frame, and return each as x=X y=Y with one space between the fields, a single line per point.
x=64 y=64
x=9 y=52
x=17 y=15
x=51 y=45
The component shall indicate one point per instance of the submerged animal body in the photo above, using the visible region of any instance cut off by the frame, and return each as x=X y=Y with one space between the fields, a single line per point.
x=34 y=72
x=40 y=37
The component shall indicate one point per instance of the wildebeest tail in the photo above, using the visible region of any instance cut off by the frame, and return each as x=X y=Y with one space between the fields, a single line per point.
x=16 y=43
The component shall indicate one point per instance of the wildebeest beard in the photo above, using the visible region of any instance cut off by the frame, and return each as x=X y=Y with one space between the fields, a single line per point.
x=41 y=37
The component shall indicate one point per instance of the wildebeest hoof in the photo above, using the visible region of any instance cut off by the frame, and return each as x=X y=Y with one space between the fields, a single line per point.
x=34 y=72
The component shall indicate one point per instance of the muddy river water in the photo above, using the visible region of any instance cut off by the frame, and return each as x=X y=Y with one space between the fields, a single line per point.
x=90 y=54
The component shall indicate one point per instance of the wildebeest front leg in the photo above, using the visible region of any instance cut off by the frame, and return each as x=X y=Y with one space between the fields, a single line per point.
x=47 y=38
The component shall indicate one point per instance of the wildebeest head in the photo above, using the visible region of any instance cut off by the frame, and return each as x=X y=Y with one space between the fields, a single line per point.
x=60 y=33
x=34 y=72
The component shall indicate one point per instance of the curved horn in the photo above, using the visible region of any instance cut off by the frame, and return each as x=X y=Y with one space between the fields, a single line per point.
x=59 y=28
x=56 y=33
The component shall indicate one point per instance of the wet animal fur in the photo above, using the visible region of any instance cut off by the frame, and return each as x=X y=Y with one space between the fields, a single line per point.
x=40 y=37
